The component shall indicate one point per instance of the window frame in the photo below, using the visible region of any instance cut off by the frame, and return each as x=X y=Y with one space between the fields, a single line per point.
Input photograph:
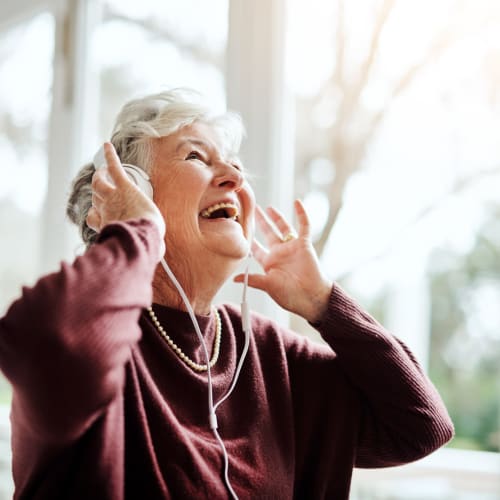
x=268 y=150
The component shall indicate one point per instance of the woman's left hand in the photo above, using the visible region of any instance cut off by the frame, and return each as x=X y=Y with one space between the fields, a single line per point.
x=292 y=276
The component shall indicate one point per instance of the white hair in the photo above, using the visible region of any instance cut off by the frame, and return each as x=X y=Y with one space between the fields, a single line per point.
x=159 y=115
x=139 y=122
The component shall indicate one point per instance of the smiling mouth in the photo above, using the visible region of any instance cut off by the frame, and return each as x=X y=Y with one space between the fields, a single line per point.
x=221 y=211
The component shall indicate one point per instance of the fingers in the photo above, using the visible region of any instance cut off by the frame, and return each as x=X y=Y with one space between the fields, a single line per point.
x=97 y=202
x=255 y=280
x=258 y=281
x=274 y=225
x=93 y=219
x=105 y=180
x=268 y=229
x=280 y=222
x=101 y=188
x=302 y=219
x=115 y=168
x=259 y=252
x=100 y=183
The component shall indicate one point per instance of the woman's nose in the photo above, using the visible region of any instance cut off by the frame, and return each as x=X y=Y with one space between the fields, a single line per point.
x=228 y=175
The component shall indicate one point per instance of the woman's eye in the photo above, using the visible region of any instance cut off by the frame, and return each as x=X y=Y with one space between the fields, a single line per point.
x=194 y=155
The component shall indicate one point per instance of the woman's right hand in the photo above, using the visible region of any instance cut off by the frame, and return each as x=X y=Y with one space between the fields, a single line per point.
x=115 y=197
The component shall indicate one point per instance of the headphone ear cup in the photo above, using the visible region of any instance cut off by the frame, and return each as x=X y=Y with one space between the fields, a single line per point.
x=140 y=179
x=138 y=176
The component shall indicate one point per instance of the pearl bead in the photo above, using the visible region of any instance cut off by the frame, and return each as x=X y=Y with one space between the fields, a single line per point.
x=180 y=353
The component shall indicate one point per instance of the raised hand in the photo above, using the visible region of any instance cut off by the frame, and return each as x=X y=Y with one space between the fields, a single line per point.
x=292 y=276
x=115 y=197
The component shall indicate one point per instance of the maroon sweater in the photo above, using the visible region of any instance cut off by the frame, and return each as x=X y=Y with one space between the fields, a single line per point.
x=103 y=409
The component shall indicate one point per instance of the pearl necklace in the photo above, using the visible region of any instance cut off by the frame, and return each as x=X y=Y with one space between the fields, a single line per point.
x=180 y=353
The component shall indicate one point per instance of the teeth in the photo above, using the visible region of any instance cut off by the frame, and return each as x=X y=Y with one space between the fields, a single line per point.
x=210 y=210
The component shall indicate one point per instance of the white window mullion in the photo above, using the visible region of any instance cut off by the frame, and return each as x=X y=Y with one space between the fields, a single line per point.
x=73 y=121
x=255 y=82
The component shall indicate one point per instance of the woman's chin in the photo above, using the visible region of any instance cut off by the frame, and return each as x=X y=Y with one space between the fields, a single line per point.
x=225 y=237
x=233 y=250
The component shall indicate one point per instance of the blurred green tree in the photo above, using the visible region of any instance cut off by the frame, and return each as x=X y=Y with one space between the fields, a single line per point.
x=465 y=335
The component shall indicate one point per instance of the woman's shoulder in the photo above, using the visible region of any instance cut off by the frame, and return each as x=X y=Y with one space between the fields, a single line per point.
x=266 y=331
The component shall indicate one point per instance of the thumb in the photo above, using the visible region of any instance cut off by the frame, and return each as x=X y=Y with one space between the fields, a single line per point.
x=258 y=281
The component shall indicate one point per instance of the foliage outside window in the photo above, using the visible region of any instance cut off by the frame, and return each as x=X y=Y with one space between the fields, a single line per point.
x=465 y=334
x=398 y=160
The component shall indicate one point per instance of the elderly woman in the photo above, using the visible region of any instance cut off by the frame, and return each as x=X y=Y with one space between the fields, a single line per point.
x=110 y=380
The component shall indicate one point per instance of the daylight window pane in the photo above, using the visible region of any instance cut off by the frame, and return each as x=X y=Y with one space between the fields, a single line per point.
x=161 y=46
x=25 y=102
x=398 y=158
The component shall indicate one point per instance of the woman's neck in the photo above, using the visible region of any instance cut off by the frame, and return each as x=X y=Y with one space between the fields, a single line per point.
x=166 y=294
x=200 y=286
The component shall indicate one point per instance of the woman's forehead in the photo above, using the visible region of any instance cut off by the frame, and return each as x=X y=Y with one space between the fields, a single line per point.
x=199 y=135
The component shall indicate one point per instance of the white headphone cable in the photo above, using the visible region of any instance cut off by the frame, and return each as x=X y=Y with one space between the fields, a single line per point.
x=246 y=326
x=212 y=417
x=245 y=321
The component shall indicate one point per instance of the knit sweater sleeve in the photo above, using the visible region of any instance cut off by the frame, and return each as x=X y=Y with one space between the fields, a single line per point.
x=402 y=416
x=65 y=341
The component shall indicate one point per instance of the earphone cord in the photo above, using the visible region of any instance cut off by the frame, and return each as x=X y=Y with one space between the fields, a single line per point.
x=211 y=415
x=245 y=316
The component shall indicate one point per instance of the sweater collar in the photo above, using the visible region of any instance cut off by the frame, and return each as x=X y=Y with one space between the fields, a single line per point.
x=180 y=328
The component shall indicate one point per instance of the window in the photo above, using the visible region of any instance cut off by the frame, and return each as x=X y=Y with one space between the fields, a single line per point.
x=138 y=47
x=181 y=44
x=23 y=154
x=24 y=116
x=398 y=160
x=24 y=119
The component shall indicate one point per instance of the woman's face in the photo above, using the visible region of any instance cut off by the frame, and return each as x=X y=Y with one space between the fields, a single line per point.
x=201 y=191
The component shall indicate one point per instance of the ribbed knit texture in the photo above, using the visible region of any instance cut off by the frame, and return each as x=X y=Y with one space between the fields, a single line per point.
x=103 y=408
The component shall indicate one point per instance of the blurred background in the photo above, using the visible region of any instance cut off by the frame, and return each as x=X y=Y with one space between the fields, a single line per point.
x=382 y=115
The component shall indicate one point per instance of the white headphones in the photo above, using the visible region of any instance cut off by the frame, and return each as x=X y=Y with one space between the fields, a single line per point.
x=136 y=174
